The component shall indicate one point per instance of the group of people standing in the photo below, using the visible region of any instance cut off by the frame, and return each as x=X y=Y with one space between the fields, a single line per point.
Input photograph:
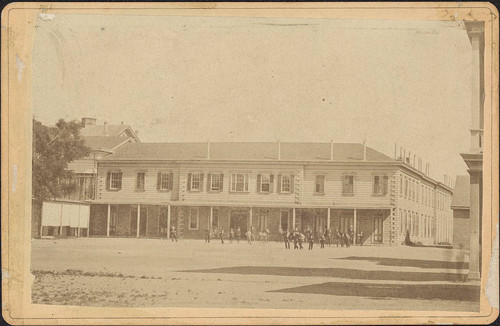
x=327 y=236
x=235 y=234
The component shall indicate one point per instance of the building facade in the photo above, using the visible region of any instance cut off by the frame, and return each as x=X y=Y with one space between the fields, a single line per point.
x=461 y=217
x=145 y=189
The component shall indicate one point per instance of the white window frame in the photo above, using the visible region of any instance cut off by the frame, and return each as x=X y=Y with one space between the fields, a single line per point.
x=119 y=179
x=197 y=210
x=383 y=184
x=267 y=177
x=219 y=181
x=164 y=176
x=234 y=182
x=199 y=177
x=282 y=185
x=322 y=178
x=345 y=175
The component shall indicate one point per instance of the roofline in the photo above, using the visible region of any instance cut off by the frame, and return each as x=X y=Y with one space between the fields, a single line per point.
x=120 y=144
x=133 y=133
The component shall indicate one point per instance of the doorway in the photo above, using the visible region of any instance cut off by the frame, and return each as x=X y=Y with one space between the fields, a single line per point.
x=239 y=219
x=378 y=230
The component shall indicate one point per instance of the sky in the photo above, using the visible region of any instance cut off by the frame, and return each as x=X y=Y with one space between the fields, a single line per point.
x=262 y=79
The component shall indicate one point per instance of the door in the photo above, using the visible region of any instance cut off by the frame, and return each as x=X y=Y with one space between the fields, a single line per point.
x=239 y=219
x=378 y=230
x=345 y=223
x=143 y=221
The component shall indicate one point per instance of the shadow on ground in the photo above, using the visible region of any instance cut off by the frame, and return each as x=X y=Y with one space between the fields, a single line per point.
x=335 y=272
x=411 y=262
x=460 y=292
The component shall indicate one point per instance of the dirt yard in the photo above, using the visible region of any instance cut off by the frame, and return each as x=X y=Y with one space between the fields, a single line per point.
x=159 y=273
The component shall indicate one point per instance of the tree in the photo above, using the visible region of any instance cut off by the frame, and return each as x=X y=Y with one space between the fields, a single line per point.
x=53 y=148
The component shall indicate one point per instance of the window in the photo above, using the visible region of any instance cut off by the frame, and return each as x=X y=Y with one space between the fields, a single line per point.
x=139 y=184
x=348 y=184
x=380 y=185
x=286 y=184
x=401 y=226
x=265 y=182
x=320 y=184
x=406 y=187
x=193 y=218
x=239 y=182
x=114 y=181
x=400 y=186
x=215 y=182
x=195 y=181
x=164 y=181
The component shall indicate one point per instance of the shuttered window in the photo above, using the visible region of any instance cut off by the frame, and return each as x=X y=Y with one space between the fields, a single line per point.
x=320 y=184
x=380 y=185
x=196 y=183
x=265 y=183
x=165 y=181
x=114 y=181
x=215 y=182
x=140 y=181
x=286 y=183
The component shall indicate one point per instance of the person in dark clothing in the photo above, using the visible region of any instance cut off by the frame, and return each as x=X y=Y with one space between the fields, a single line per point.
x=311 y=241
x=322 y=241
x=407 y=239
x=231 y=235
x=295 y=237
x=173 y=234
x=286 y=235
x=351 y=235
x=347 y=240
x=221 y=235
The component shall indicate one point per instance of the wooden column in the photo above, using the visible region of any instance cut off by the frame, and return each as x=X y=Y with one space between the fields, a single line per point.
x=355 y=226
x=251 y=218
x=138 y=218
x=60 y=226
x=211 y=219
x=293 y=220
x=328 y=215
x=109 y=219
x=168 y=221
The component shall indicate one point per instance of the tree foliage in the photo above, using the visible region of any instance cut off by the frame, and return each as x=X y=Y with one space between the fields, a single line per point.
x=53 y=148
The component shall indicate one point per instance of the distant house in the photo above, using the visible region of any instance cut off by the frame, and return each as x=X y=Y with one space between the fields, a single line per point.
x=54 y=217
x=460 y=204
x=144 y=189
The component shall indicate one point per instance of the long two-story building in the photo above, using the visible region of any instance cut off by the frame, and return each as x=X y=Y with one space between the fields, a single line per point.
x=145 y=188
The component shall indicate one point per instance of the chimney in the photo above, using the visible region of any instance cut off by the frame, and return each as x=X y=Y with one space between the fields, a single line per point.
x=105 y=129
x=331 y=150
x=279 y=150
x=208 y=149
x=364 y=150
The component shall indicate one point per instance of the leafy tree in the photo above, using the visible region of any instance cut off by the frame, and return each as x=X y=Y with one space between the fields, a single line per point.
x=53 y=148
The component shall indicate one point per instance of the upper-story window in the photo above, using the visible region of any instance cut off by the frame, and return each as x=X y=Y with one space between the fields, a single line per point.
x=239 y=182
x=195 y=181
x=401 y=186
x=140 y=181
x=165 y=181
x=320 y=184
x=215 y=182
x=348 y=184
x=114 y=181
x=286 y=183
x=406 y=187
x=380 y=184
x=265 y=182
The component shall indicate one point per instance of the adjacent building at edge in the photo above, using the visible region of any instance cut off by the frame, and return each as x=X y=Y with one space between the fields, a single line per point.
x=145 y=188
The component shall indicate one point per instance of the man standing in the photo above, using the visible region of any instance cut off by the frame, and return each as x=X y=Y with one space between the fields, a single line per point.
x=173 y=234
x=285 y=239
x=221 y=235
x=207 y=235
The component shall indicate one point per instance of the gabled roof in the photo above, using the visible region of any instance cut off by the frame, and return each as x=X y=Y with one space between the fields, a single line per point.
x=258 y=151
x=461 y=193
x=107 y=131
x=104 y=143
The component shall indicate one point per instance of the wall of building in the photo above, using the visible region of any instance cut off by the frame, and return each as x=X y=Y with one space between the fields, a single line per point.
x=461 y=228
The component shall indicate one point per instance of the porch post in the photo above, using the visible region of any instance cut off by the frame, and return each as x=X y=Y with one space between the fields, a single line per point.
x=138 y=218
x=168 y=221
x=355 y=226
x=293 y=220
x=109 y=219
x=60 y=226
x=211 y=219
x=251 y=217
x=328 y=218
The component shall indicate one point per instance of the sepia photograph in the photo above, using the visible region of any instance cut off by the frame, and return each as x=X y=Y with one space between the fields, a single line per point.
x=268 y=162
